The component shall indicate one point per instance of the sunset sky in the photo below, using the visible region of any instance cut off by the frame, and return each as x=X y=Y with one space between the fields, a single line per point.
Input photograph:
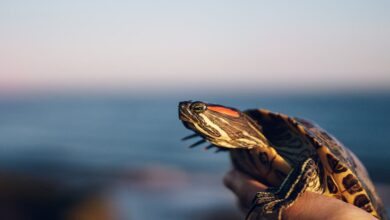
x=159 y=46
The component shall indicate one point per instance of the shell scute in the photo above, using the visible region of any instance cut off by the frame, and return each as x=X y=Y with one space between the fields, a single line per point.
x=351 y=184
x=331 y=185
x=363 y=202
x=335 y=164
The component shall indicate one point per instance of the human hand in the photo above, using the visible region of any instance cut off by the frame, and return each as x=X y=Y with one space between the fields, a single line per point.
x=308 y=206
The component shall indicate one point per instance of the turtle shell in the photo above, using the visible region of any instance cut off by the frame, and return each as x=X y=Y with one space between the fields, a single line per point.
x=342 y=175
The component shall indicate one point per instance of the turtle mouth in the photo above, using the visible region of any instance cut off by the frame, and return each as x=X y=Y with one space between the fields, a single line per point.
x=186 y=117
x=184 y=114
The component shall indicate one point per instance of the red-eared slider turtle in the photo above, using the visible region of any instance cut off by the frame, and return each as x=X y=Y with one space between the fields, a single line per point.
x=289 y=154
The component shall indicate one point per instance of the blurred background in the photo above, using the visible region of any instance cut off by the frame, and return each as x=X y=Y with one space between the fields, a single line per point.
x=89 y=93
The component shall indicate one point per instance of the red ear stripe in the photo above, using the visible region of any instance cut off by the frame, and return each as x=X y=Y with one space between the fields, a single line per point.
x=223 y=110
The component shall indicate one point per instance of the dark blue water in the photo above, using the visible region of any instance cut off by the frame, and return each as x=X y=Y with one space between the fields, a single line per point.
x=117 y=131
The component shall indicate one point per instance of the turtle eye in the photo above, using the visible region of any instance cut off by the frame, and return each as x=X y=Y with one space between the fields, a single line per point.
x=198 y=107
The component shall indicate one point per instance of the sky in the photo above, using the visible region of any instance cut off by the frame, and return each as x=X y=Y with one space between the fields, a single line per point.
x=160 y=46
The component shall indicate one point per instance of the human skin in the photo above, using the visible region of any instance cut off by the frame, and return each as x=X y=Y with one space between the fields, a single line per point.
x=308 y=206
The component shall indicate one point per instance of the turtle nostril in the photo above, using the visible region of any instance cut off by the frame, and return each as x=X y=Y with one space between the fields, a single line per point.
x=183 y=104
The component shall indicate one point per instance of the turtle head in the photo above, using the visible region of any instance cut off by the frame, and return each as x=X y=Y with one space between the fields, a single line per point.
x=222 y=126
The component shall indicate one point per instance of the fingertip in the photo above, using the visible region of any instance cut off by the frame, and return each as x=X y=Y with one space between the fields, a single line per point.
x=228 y=179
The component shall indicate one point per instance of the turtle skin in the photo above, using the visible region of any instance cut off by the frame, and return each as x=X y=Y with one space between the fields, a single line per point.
x=324 y=164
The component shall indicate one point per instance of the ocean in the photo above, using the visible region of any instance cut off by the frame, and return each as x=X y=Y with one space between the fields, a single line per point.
x=116 y=136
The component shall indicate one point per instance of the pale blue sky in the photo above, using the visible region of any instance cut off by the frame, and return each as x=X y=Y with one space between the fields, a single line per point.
x=172 y=45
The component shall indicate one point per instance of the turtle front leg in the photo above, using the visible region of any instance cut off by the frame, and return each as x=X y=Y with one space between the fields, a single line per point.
x=274 y=200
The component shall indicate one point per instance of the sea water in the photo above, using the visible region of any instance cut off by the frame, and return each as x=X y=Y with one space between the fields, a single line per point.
x=48 y=134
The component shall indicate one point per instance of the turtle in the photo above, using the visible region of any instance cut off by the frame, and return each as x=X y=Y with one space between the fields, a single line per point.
x=291 y=155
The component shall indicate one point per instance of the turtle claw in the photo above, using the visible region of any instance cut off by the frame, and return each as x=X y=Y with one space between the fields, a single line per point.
x=219 y=150
x=275 y=200
x=197 y=143
x=209 y=147
x=190 y=136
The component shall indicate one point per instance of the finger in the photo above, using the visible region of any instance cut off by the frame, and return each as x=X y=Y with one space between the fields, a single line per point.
x=228 y=179
x=238 y=181
x=243 y=186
